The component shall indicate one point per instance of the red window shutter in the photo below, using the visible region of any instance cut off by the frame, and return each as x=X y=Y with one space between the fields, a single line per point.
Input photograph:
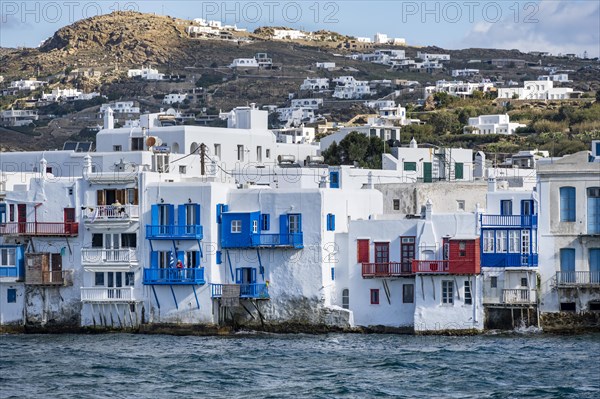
x=362 y=251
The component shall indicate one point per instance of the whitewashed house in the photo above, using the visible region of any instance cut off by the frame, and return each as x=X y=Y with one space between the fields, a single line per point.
x=350 y=88
x=244 y=63
x=433 y=57
x=27 y=84
x=459 y=73
x=288 y=34
x=569 y=232
x=491 y=124
x=18 y=117
x=174 y=98
x=314 y=103
x=457 y=88
x=120 y=107
x=146 y=73
x=536 y=90
x=315 y=84
x=325 y=65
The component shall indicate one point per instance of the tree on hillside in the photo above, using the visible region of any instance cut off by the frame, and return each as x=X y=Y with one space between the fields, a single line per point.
x=356 y=147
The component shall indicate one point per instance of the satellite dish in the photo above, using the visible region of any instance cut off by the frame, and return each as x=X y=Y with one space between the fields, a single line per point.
x=153 y=141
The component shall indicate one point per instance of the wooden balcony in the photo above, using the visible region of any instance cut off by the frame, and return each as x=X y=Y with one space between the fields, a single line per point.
x=509 y=260
x=390 y=269
x=578 y=279
x=246 y=291
x=466 y=266
x=110 y=213
x=40 y=229
x=519 y=296
x=114 y=259
x=107 y=295
x=52 y=278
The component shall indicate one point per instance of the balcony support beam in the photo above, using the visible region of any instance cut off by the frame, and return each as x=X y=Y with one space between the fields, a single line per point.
x=196 y=296
x=155 y=297
x=174 y=297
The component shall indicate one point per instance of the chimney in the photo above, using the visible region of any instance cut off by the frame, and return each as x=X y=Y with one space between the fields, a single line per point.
x=43 y=167
x=428 y=209
x=109 y=119
x=491 y=181
x=87 y=165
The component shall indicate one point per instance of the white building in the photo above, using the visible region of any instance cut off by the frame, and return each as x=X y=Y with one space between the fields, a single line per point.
x=27 y=84
x=557 y=77
x=325 y=65
x=569 y=233
x=17 y=117
x=295 y=135
x=464 y=72
x=536 y=90
x=457 y=88
x=382 y=38
x=350 y=88
x=288 y=34
x=145 y=73
x=315 y=84
x=174 y=98
x=121 y=107
x=244 y=63
x=313 y=103
x=491 y=124
x=68 y=95
x=433 y=57
x=295 y=116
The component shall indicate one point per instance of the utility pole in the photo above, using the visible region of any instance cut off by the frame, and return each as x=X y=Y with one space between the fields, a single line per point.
x=202 y=155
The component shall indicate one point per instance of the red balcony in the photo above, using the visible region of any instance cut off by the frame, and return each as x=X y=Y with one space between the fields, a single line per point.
x=390 y=269
x=463 y=266
x=60 y=229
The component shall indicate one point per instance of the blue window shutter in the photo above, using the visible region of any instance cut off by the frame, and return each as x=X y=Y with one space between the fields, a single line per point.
x=197 y=263
x=283 y=224
x=330 y=222
x=181 y=219
x=595 y=264
x=154 y=260
x=253 y=276
x=154 y=215
x=219 y=212
x=238 y=275
x=197 y=206
x=567 y=204
x=333 y=273
x=171 y=209
x=334 y=179
x=181 y=257
x=219 y=257
x=567 y=260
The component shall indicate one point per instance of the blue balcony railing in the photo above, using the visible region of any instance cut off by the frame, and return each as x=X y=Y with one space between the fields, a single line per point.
x=293 y=240
x=254 y=291
x=526 y=221
x=169 y=276
x=508 y=260
x=177 y=232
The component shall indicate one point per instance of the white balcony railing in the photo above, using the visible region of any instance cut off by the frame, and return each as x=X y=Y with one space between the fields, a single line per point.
x=107 y=295
x=100 y=256
x=519 y=296
x=103 y=213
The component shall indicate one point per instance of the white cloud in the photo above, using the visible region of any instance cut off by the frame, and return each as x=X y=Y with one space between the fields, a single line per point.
x=563 y=26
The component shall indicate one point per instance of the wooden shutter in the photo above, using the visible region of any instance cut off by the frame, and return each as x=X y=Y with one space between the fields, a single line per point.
x=362 y=251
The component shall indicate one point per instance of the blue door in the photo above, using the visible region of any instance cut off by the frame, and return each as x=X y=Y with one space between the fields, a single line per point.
x=334 y=179
x=567 y=265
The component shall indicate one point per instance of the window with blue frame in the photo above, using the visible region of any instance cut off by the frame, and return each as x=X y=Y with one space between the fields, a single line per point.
x=245 y=275
x=265 y=222
x=567 y=260
x=334 y=179
x=593 y=210
x=527 y=207
x=567 y=204
x=294 y=223
x=506 y=207
x=330 y=222
x=11 y=295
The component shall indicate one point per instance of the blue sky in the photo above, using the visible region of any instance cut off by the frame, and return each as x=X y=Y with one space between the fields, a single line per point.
x=558 y=26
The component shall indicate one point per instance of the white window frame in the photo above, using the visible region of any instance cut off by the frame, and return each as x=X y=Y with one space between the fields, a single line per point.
x=501 y=237
x=514 y=241
x=488 y=241
x=525 y=242
x=236 y=226
x=8 y=257
x=255 y=226
x=447 y=292
x=468 y=293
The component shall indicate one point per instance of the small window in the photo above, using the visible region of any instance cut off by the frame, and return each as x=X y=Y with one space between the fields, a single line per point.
x=70 y=190
x=265 y=222
x=494 y=282
x=374 y=297
x=129 y=279
x=218 y=150
x=410 y=166
x=462 y=249
x=137 y=144
x=506 y=207
x=255 y=226
x=99 y=279
x=346 y=298
x=460 y=205
x=396 y=204
x=11 y=295
x=117 y=148
x=594 y=306
x=524 y=282
x=332 y=273
x=236 y=226
x=330 y=222
x=240 y=152
x=567 y=204
x=468 y=294
x=268 y=153
x=182 y=169
x=447 y=292
x=408 y=293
